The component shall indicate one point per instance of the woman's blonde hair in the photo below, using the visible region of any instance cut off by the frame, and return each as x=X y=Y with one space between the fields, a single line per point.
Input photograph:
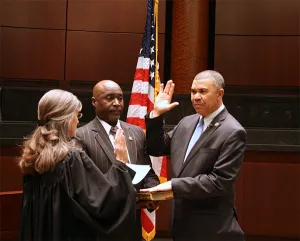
x=49 y=143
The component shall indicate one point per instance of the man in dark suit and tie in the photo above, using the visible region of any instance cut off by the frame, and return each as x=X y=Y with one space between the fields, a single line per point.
x=206 y=151
x=98 y=140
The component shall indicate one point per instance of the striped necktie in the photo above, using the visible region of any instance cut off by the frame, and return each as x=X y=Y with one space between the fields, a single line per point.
x=113 y=131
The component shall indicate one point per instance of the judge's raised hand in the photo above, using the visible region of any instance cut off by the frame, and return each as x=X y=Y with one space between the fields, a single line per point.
x=163 y=100
x=120 y=147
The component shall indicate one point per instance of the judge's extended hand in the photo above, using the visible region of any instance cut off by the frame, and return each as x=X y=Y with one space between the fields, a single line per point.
x=166 y=186
x=162 y=102
x=120 y=147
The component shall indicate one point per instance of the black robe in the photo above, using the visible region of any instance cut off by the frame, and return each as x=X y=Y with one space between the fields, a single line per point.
x=78 y=202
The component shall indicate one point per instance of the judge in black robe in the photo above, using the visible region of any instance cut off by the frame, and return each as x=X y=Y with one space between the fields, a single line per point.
x=78 y=202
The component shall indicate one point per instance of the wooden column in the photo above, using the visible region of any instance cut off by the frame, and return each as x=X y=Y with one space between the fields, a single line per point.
x=189 y=42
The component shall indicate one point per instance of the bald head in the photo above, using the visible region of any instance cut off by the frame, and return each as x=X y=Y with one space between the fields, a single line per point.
x=102 y=85
x=108 y=101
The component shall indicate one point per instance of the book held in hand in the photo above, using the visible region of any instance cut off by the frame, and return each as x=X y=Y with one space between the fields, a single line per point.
x=155 y=196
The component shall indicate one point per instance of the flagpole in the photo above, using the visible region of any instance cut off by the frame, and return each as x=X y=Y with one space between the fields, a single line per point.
x=157 y=79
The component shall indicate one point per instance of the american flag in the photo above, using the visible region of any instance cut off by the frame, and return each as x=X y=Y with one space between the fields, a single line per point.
x=144 y=90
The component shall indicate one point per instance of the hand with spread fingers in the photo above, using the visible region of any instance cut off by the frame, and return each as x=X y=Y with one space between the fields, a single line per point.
x=163 y=100
x=120 y=147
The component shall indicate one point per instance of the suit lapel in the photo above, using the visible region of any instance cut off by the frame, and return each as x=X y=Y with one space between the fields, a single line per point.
x=214 y=125
x=103 y=140
x=130 y=142
x=188 y=132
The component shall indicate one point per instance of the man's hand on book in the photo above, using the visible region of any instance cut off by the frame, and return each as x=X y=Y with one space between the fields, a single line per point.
x=166 y=186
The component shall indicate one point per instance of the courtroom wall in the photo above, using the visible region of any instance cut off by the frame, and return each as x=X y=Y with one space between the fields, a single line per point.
x=67 y=44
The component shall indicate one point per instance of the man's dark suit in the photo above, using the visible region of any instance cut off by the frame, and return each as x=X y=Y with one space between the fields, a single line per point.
x=203 y=208
x=99 y=148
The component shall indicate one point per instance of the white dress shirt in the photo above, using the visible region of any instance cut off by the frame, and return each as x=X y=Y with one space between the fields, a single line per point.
x=107 y=128
x=208 y=119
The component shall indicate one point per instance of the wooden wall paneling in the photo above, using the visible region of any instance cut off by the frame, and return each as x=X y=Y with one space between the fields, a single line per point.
x=272 y=157
x=10 y=174
x=33 y=53
x=239 y=189
x=258 y=60
x=13 y=99
x=34 y=14
x=189 y=42
x=271 y=194
x=112 y=16
x=258 y=17
x=10 y=214
x=96 y=55
x=163 y=217
x=10 y=192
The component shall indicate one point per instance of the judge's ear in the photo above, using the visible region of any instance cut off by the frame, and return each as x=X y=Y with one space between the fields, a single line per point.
x=94 y=101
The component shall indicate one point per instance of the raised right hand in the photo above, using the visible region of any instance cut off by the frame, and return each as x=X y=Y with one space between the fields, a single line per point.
x=163 y=100
x=120 y=147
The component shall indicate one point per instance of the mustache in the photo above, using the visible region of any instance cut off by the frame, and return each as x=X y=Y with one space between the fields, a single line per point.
x=115 y=110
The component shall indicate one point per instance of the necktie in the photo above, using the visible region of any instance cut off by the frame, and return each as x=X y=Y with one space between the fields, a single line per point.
x=195 y=137
x=113 y=131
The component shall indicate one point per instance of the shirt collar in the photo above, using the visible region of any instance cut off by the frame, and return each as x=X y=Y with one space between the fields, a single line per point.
x=208 y=119
x=107 y=126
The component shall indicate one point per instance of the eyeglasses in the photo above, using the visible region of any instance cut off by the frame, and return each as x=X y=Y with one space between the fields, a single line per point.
x=79 y=115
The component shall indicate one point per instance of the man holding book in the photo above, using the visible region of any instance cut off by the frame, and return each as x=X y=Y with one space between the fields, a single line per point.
x=206 y=151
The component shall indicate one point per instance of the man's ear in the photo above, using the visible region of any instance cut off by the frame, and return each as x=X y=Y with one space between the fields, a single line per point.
x=221 y=93
x=94 y=101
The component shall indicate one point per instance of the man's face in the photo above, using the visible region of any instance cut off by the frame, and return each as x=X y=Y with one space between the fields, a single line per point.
x=205 y=96
x=109 y=103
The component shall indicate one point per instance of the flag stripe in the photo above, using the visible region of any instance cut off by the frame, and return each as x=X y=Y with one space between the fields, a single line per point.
x=148 y=225
x=137 y=121
x=141 y=74
x=139 y=99
x=143 y=63
x=144 y=89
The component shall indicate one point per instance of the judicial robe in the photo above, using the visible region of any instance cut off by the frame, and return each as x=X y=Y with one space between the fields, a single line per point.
x=77 y=201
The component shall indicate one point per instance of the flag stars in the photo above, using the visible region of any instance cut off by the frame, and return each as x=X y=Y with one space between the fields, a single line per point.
x=152 y=50
x=141 y=50
x=152 y=75
x=152 y=63
x=152 y=37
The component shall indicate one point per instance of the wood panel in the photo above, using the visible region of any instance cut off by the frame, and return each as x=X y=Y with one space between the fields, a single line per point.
x=32 y=53
x=10 y=192
x=10 y=204
x=258 y=17
x=272 y=199
x=111 y=16
x=96 y=55
x=10 y=174
x=189 y=42
x=163 y=217
x=257 y=60
x=34 y=14
x=268 y=194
